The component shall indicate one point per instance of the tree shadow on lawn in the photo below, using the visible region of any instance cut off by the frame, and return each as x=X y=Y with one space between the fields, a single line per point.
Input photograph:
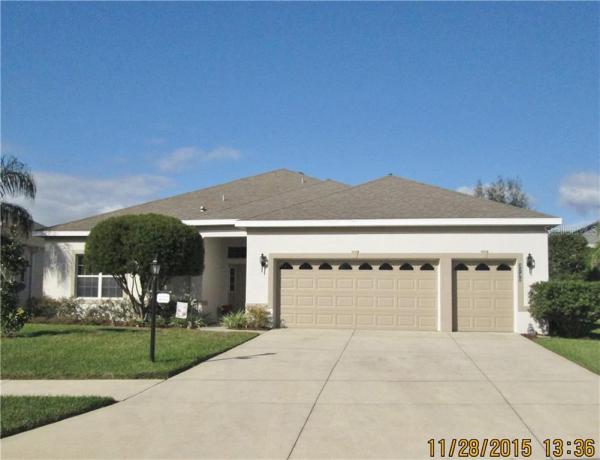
x=33 y=334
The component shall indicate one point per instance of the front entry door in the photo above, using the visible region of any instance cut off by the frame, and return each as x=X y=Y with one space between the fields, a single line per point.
x=237 y=286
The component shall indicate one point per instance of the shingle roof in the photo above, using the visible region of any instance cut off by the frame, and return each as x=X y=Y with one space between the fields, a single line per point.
x=393 y=197
x=281 y=183
x=287 y=195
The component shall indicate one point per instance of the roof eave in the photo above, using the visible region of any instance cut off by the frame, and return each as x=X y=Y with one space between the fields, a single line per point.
x=438 y=222
x=435 y=222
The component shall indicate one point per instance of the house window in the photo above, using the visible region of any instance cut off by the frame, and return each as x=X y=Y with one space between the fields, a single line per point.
x=231 y=279
x=89 y=284
x=236 y=252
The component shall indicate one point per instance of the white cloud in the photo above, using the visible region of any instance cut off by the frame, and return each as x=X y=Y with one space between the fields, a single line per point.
x=581 y=192
x=62 y=197
x=466 y=190
x=184 y=157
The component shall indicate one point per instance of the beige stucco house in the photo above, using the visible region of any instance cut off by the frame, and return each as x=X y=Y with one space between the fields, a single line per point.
x=387 y=254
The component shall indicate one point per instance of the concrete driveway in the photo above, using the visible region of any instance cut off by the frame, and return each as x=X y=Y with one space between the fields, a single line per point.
x=338 y=394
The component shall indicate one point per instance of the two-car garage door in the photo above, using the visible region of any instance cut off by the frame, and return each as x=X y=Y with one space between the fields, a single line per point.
x=354 y=294
x=394 y=294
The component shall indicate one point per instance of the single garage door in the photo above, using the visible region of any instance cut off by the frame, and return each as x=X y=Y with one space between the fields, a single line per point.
x=382 y=294
x=483 y=296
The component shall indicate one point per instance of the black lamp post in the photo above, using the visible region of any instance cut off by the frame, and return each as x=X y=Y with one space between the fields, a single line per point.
x=155 y=270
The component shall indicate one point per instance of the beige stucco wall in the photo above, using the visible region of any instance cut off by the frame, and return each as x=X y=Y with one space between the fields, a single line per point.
x=430 y=241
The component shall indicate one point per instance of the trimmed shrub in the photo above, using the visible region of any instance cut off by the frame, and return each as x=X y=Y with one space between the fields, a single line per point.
x=258 y=318
x=236 y=320
x=73 y=310
x=570 y=308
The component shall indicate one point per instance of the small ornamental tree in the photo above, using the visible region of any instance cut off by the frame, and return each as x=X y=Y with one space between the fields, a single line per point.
x=125 y=246
x=567 y=256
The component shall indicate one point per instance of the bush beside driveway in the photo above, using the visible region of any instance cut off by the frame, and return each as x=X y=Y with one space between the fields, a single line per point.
x=45 y=351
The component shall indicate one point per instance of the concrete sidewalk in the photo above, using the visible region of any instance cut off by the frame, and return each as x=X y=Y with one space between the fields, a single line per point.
x=116 y=389
x=338 y=394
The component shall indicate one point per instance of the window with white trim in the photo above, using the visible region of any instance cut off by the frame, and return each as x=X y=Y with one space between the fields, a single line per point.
x=96 y=285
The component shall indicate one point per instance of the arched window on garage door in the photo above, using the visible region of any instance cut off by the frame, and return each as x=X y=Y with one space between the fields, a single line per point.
x=306 y=266
x=482 y=268
x=285 y=266
x=345 y=266
x=461 y=267
x=427 y=267
x=385 y=266
x=406 y=266
x=503 y=268
x=325 y=266
x=365 y=266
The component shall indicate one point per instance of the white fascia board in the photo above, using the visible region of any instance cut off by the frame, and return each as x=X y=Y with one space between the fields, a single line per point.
x=547 y=221
x=200 y=223
x=61 y=233
x=209 y=222
x=222 y=233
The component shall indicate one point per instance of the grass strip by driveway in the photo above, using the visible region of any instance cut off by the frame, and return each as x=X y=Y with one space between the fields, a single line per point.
x=49 y=351
x=22 y=413
x=584 y=351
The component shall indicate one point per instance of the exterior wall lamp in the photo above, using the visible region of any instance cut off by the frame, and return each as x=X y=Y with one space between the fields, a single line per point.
x=264 y=263
x=530 y=262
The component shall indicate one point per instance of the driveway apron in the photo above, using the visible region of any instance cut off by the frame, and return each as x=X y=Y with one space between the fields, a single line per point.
x=293 y=393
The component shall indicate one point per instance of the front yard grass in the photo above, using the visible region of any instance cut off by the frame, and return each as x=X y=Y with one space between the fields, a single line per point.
x=584 y=351
x=50 y=351
x=22 y=413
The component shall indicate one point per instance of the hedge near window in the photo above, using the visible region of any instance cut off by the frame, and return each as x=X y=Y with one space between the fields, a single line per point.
x=570 y=308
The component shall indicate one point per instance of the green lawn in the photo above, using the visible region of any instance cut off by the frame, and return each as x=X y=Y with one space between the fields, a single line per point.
x=22 y=413
x=49 y=351
x=584 y=351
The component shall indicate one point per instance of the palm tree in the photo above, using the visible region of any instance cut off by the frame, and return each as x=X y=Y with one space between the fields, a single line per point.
x=15 y=180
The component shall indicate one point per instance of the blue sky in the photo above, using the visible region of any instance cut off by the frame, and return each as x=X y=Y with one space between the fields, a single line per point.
x=117 y=103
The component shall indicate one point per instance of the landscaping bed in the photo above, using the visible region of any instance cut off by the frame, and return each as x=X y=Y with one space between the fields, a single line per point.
x=52 y=351
x=22 y=413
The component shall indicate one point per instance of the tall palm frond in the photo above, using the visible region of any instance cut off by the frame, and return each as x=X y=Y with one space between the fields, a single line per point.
x=15 y=178
x=15 y=216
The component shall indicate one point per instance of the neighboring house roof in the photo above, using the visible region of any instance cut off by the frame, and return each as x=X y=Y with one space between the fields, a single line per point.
x=393 y=197
x=283 y=195
x=590 y=233
x=217 y=200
